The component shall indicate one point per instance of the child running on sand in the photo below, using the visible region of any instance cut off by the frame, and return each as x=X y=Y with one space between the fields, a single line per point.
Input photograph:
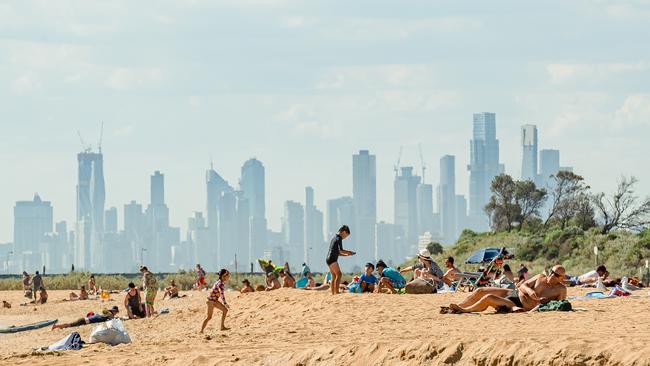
x=218 y=292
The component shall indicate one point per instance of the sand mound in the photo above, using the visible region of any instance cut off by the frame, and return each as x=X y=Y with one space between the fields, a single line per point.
x=294 y=327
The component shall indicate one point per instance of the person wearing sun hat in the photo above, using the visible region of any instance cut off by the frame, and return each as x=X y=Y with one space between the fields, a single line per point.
x=426 y=270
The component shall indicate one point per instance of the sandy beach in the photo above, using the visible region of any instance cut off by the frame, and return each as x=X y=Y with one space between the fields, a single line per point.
x=295 y=327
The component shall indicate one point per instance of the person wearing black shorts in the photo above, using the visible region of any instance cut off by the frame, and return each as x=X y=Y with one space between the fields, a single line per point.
x=336 y=250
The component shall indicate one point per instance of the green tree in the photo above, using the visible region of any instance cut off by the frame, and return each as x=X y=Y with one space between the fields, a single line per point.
x=434 y=248
x=567 y=199
x=529 y=199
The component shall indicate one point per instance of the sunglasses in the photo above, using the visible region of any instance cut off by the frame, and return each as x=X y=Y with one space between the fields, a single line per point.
x=555 y=274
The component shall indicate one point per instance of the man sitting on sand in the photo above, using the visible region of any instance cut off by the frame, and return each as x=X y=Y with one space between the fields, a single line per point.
x=452 y=273
x=540 y=289
x=247 y=287
x=272 y=283
x=83 y=294
x=389 y=279
x=106 y=314
x=287 y=279
x=171 y=291
x=368 y=281
x=133 y=303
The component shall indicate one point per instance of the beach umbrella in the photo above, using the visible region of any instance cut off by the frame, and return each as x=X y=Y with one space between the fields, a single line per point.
x=484 y=255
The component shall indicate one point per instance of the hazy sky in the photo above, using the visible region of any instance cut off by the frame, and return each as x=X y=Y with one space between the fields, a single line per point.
x=303 y=85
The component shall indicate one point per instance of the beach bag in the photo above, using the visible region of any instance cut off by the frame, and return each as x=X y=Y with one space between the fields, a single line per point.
x=354 y=288
x=419 y=286
x=111 y=332
x=71 y=342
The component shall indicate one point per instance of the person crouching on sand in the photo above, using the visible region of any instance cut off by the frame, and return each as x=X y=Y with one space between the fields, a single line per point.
x=336 y=249
x=218 y=292
x=272 y=282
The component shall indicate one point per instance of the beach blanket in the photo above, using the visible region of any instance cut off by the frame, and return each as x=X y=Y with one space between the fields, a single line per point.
x=555 y=305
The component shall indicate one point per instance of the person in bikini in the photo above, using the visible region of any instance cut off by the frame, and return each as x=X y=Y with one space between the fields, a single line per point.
x=218 y=293
x=537 y=290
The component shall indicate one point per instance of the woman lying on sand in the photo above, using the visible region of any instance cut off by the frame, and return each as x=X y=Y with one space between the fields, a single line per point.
x=218 y=292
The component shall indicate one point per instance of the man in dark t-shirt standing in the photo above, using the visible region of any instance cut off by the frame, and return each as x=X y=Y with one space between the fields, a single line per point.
x=336 y=250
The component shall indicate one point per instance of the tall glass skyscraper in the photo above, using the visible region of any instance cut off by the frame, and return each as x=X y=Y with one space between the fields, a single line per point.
x=364 y=195
x=252 y=185
x=483 y=166
x=529 y=153
x=447 y=198
x=91 y=196
x=406 y=205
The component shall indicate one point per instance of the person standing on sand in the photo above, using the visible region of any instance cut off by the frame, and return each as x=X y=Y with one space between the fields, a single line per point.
x=37 y=284
x=336 y=249
x=150 y=290
x=218 y=292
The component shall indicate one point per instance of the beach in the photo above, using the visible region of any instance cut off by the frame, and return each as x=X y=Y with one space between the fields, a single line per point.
x=296 y=327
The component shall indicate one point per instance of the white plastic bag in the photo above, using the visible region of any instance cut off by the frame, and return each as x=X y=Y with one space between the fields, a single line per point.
x=111 y=332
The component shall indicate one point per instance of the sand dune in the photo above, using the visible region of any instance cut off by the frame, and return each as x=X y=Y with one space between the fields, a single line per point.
x=294 y=327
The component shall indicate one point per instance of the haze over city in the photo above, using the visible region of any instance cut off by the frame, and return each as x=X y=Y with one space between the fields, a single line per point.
x=303 y=87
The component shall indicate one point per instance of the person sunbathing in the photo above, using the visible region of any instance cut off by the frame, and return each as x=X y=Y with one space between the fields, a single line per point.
x=287 y=279
x=324 y=286
x=591 y=277
x=272 y=283
x=452 y=273
x=171 y=291
x=538 y=290
x=83 y=294
x=106 y=314
x=310 y=280
x=247 y=287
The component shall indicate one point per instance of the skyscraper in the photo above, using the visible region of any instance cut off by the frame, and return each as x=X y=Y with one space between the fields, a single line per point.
x=340 y=211
x=32 y=221
x=216 y=186
x=252 y=185
x=364 y=194
x=406 y=210
x=483 y=166
x=157 y=188
x=293 y=230
x=313 y=243
x=424 y=201
x=447 y=198
x=159 y=237
x=529 y=153
x=110 y=220
x=461 y=214
x=91 y=196
x=549 y=164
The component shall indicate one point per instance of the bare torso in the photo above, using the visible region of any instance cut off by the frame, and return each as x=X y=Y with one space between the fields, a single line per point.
x=545 y=292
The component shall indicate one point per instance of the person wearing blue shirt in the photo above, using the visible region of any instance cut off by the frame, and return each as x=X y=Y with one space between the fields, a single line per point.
x=389 y=278
x=367 y=281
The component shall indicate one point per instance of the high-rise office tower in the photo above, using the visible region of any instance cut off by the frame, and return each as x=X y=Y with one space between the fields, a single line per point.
x=390 y=244
x=110 y=220
x=134 y=224
x=364 y=194
x=313 y=243
x=340 y=211
x=252 y=185
x=406 y=210
x=549 y=164
x=157 y=188
x=447 y=198
x=157 y=240
x=227 y=246
x=91 y=196
x=32 y=221
x=424 y=198
x=529 y=153
x=216 y=186
x=461 y=214
x=293 y=230
x=483 y=166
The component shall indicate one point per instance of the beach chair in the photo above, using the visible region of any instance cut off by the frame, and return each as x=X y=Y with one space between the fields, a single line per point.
x=491 y=260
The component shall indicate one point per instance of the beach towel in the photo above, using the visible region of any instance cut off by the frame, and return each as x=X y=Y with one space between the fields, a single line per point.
x=555 y=305
x=70 y=342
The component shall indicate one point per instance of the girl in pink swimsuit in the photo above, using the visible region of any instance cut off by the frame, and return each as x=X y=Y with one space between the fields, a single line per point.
x=217 y=299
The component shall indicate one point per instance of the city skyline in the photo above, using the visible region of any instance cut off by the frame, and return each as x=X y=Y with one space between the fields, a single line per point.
x=338 y=82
